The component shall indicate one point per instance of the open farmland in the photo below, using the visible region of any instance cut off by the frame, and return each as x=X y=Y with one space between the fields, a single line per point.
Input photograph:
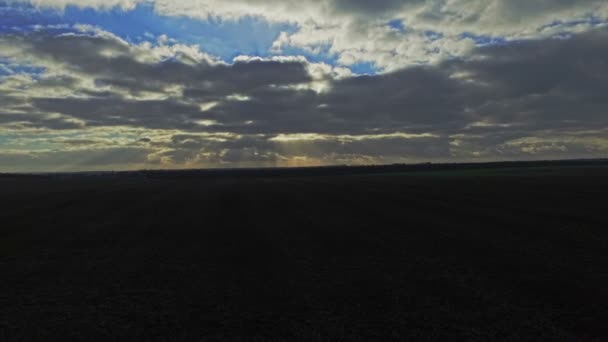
x=501 y=252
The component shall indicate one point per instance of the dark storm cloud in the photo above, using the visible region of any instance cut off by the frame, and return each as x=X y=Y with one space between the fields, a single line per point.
x=499 y=101
x=114 y=62
x=553 y=83
x=121 y=112
x=522 y=9
x=414 y=99
x=543 y=81
x=273 y=110
x=529 y=82
x=509 y=8
x=407 y=98
x=542 y=84
x=369 y=8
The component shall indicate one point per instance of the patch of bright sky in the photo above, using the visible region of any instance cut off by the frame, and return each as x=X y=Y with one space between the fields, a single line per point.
x=396 y=24
x=9 y=68
x=483 y=39
x=432 y=35
x=12 y=141
x=364 y=68
x=5 y=70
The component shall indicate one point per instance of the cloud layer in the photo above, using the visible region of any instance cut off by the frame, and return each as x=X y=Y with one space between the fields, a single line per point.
x=358 y=31
x=84 y=98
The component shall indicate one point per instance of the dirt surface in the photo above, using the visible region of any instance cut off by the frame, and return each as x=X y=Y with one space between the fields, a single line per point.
x=467 y=253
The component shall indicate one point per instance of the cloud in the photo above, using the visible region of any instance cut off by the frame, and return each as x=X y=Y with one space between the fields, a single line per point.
x=356 y=31
x=180 y=107
x=97 y=4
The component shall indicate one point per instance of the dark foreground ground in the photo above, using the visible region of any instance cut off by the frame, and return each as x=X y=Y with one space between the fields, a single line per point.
x=511 y=252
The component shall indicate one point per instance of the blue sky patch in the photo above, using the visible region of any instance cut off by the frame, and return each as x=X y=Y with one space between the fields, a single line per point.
x=8 y=68
x=397 y=24
x=433 y=36
x=484 y=40
x=364 y=68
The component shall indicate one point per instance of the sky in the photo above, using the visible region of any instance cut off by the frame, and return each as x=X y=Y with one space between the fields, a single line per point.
x=172 y=84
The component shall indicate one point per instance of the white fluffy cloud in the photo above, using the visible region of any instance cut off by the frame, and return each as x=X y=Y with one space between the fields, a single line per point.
x=356 y=30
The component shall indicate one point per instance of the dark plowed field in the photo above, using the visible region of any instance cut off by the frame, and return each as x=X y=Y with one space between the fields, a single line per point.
x=457 y=254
